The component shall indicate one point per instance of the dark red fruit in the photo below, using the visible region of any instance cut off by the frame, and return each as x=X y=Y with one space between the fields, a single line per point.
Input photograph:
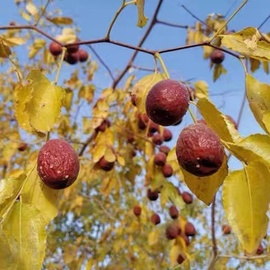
x=55 y=49
x=167 y=170
x=133 y=100
x=167 y=102
x=180 y=259
x=260 y=250
x=105 y=165
x=137 y=210
x=73 y=48
x=153 y=127
x=187 y=197
x=22 y=146
x=167 y=135
x=199 y=150
x=172 y=231
x=155 y=219
x=160 y=159
x=173 y=212
x=71 y=58
x=226 y=229
x=190 y=229
x=83 y=55
x=104 y=124
x=12 y=23
x=165 y=149
x=57 y=164
x=157 y=139
x=152 y=195
x=142 y=121
x=217 y=56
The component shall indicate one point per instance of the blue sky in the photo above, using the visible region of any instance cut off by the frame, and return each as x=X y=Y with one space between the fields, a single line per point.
x=93 y=18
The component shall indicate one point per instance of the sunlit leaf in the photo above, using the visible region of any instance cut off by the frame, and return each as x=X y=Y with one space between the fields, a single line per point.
x=60 y=20
x=248 y=42
x=22 y=95
x=31 y=8
x=258 y=98
x=45 y=104
x=23 y=233
x=201 y=89
x=143 y=86
x=218 y=121
x=13 y=41
x=109 y=155
x=45 y=199
x=98 y=152
x=9 y=191
x=246 y=201
x=206 y=187
x=153 y=238
x=251 y=148
x=68 y=36
x=142 y=19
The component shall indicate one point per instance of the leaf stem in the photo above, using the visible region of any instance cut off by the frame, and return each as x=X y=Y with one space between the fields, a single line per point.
x=60 y=66
x=157 y=56
x=124 y=4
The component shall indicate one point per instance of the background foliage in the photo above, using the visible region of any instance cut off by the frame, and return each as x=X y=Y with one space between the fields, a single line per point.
x=91 y=224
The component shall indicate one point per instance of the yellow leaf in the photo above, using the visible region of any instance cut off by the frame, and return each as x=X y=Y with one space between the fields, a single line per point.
x=22 y=95
x=68 y=36
x=5 y=51
x=45 y=199
x=45 y=104
x=109 y=155
x=121 y=161
x=98 y=152
x=142 y=19
x=254 y=64
x=60 y=20
x=246 y=202
x=252 y=147
x=24 y=228
x=9 y=191
x=143 y=86
x=31 y=8
x=248 y=42
x=218 y=71
x=153 y=238
x=205 y=188
x=13 y=41
x=258 y=98
x=174 y=253
x=218 y=121
x=201 y=89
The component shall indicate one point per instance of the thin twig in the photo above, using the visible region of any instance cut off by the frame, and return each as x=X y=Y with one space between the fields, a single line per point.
x=172 y=24
x=194 y=16
x=264 y=21
x=146 y=34
x=213 y=231
x=101 y=61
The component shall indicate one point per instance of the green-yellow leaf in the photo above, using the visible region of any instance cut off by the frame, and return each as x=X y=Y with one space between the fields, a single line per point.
x=143 y=86
x=23 y=238
x=206 y=187
x=258 y=98
x=142 y=19
x=45 y=104
x=248 y=42
x=246 y=201
x=109 y=155
x=218 y=121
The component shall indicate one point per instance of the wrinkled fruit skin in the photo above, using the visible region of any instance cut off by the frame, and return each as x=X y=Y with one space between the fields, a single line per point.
x=199 y=150
x=167 y=102
x=58 y=164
